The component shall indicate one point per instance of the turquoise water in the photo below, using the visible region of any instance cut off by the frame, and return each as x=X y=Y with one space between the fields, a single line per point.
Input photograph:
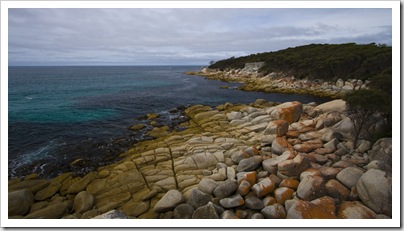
x=59 y=114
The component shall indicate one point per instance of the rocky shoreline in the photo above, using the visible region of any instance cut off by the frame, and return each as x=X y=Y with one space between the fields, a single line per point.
x=262 y=160
x=253 y=80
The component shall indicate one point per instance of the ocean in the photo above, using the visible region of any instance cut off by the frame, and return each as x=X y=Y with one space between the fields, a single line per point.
x=60 y=114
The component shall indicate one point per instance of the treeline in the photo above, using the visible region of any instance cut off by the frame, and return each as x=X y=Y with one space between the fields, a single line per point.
x=320 y=61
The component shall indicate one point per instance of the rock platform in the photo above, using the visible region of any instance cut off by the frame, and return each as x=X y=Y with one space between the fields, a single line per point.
x=262 y=160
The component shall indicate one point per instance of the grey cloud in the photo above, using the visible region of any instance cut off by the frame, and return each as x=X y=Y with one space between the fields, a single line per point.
x=181 y=36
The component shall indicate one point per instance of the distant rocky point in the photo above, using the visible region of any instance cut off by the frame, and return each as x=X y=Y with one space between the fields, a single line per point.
x=275 y=82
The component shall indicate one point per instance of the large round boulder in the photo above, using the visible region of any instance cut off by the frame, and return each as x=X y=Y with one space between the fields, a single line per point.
x=374 y=189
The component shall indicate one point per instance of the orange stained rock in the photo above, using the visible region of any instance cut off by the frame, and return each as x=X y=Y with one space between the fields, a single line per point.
x=269 y=200
x=244 y=188
x=264 y=187
x=251 y=177
x=282 y=194
x=292 y=134
x=307 y=210
x=290 y=183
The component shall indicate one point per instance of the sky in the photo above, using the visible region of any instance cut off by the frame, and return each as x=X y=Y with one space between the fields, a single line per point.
x=61 y=36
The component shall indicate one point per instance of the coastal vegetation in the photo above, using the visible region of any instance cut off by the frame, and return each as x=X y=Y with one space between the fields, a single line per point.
x=320 y=61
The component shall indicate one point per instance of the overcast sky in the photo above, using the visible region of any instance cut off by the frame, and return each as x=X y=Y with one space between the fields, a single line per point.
x=180 y=36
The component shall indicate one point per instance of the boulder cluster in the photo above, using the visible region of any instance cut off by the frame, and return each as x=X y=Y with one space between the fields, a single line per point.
x=262 y=160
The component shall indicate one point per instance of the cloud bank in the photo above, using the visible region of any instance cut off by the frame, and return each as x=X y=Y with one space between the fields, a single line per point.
x=180 y=36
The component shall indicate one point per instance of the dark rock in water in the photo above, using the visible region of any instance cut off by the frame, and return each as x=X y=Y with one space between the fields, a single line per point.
x=137 y=127
x=19 y=202
x=113 y=214
x=183 y=211
x=206 y=212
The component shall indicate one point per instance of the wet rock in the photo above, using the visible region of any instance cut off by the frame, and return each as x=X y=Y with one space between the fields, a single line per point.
x=375 y=191
x=198 y=198
x=83 y=202
x=349 y=176
x=355 y=210
x=275 y=211
x=183 y=211
x=225 y=189
x=205 y=212
x=169 y=201
x=19 y=202
x=137 y=127
x=231 y=202
x=254 y=203
x=310 y=188
x=249 y=164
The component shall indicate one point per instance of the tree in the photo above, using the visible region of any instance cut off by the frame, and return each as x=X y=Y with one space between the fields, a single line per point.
x=212 y=62
x=365 y=108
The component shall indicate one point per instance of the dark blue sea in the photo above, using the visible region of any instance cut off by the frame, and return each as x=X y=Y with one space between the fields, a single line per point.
x=61 y=114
